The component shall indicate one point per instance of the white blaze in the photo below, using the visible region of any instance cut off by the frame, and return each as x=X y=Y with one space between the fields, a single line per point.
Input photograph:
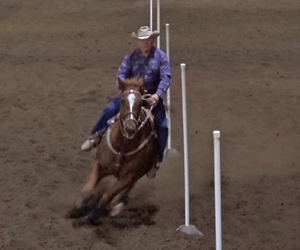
x=131 y=99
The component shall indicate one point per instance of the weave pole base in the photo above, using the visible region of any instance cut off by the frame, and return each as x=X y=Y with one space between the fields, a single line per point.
x=191 y=230
x=171 y=152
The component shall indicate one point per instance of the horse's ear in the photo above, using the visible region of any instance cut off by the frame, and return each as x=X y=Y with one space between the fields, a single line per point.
x=121 y=84
x=141 y=85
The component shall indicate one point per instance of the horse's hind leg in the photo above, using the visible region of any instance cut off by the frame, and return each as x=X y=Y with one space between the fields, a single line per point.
x=119 y=186
x=88 y=199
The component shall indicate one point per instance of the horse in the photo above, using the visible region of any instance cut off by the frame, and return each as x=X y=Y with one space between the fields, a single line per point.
x=127 y=151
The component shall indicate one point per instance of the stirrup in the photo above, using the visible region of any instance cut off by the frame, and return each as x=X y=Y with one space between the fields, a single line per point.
x=112 y=121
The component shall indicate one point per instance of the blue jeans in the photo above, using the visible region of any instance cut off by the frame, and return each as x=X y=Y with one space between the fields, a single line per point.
x=160 y=115
x=110 y=111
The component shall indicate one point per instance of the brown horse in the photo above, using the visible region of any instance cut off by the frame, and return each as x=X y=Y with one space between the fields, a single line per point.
x=127 y=151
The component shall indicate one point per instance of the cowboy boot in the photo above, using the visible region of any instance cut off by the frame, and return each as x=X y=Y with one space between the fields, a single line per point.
x=93 y=141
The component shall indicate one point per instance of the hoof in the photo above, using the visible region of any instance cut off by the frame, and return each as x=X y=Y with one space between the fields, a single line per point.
x=93 y=221
x=117 y=209
x=78 y=212
x=93 y=218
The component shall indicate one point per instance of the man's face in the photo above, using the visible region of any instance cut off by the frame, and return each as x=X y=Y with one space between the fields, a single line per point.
x=146 y=44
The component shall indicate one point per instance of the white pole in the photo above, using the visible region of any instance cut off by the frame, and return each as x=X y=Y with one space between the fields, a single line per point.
x=185 y=144
x=168 y=93
x=187 y=228
x=151 y=14
x=216 y=135
x=158 y=22
x=168 y=40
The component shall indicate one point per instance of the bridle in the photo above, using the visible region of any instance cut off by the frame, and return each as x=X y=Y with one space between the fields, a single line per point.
x=130 y=115
x=149 y=117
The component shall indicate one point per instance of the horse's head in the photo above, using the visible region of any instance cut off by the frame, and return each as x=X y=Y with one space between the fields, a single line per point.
x=131 y=103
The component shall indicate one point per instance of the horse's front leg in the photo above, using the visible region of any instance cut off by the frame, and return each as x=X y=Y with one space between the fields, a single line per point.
x=119 y=186
x=118 y=202
x=89 y=190
x=87 y=201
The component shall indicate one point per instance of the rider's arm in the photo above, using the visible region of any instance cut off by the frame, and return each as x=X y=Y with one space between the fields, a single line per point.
x=165 y=76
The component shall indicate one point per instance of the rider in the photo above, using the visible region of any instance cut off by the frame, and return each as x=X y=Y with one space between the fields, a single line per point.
x=152 y=65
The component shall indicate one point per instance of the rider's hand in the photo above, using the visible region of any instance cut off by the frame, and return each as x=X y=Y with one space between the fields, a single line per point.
x=154 y=99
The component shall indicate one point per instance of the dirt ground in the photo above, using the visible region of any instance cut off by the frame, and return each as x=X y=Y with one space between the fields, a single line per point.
x=58 y=62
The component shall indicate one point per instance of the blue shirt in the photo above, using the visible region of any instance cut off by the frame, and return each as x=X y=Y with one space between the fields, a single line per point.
x=154 y=69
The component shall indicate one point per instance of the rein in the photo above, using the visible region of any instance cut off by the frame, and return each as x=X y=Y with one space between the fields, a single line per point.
x=143 y=144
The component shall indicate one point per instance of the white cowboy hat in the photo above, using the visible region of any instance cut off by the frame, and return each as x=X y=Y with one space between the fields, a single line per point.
x=145 y=32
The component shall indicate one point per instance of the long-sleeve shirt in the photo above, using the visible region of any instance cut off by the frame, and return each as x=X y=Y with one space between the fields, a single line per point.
x=154 y=69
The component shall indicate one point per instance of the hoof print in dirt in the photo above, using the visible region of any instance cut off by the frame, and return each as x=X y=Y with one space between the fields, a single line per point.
x=79 y=223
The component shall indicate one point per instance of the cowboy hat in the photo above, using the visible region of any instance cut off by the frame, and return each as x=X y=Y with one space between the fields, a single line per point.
x=145 y=32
